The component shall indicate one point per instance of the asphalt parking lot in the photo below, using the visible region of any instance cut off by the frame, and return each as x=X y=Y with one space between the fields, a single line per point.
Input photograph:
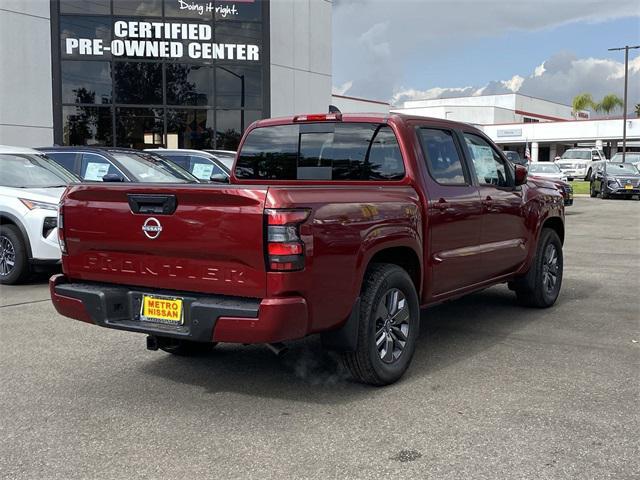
x=495 y=391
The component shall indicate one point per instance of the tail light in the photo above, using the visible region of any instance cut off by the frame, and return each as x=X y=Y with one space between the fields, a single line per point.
x=285 y=250
x=318 y=117
x=63 y=245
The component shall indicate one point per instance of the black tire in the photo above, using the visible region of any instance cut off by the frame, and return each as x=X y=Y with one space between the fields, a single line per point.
x=534 y=290
x=12 y=250
x=604 y=195
x=184 y=348
x=385 y=285
x=588 y=176
x=592 y=191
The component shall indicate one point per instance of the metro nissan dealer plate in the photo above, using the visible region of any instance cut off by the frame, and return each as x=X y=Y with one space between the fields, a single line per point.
x=166 y=310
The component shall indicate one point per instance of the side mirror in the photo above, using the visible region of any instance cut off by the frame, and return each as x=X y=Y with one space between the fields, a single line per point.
x=219 y=177
x=112 y=177
x=521 y=175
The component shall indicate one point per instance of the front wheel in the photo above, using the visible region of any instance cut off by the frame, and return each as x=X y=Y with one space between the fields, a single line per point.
x=592 y=191
x=604 y=195
x=389 y=322
x=588 y=176
x=14 y=264
x=540 y=287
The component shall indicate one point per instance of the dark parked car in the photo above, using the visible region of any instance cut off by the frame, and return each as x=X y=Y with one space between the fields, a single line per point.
x=93 y=164
x=615 y=179
x=202 y=165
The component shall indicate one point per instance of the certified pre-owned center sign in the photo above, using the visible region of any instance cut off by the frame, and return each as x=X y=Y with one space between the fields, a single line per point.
x=162 y=40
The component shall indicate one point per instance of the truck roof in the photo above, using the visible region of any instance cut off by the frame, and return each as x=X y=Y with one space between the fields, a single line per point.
x=364 y=117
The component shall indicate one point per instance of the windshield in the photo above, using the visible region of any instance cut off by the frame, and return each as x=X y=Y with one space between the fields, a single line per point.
x=629 y=157
x=151 y=169
x=576 y=155
x=621 y=169
x=544 y=168
x=31 y=171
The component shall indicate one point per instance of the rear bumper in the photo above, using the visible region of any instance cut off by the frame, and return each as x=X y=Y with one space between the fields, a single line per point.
x=207 y=318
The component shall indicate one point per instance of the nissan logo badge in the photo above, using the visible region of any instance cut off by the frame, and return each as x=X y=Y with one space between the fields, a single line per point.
x=152 y=228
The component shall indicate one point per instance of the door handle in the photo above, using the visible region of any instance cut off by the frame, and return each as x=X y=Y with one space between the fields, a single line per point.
x=443 y=206
x=488 y=204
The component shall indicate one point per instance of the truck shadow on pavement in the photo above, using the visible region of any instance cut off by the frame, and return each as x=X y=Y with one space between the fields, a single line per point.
x=450 y=333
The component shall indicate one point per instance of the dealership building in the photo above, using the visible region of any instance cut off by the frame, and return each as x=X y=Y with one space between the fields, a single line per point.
x=523 y=123
x=149 y=73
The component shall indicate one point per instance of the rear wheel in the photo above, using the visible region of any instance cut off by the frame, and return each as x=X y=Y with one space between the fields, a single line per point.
x=184 y=348
x=540 y=287
x=388 y=326
x=14 y=264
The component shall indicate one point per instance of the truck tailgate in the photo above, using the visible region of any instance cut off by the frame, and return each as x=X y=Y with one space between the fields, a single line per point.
x=197 y=238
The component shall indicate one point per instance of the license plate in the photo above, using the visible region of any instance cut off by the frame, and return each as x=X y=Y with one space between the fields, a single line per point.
x=628 y=187
x=167 y=310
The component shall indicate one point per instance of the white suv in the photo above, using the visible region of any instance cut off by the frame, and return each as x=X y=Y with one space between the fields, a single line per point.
x=30 y=188
x=579 y=162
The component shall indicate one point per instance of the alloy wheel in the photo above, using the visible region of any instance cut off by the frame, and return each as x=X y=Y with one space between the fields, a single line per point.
x=7 y=256
x=550 y=268
x=392 y=325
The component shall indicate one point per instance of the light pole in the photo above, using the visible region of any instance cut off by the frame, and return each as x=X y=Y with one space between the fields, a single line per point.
x=626 y=49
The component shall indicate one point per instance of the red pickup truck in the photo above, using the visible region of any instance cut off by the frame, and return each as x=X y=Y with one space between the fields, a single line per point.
x=339 y=225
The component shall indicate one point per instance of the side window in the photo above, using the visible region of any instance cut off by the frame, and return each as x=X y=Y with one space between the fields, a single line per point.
x=180 y=160
x=64 y=159
x=94 y=167
x=385 y=159
x=443 y=160
x=203 y=168
x=490 y=168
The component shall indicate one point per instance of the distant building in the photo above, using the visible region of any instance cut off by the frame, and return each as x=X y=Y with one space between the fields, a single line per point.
x=516 y=121
x=489 y=109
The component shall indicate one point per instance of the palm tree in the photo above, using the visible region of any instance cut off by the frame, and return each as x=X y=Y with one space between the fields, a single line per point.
x=584 y=101
x=609 y=103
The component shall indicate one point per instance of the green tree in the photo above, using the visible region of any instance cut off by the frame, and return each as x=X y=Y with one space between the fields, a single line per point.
x=638 y=110
x=584 y=101
x=609 y=103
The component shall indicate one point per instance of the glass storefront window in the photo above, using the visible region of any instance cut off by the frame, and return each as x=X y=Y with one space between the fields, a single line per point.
x=97 y=7
x=238 y=87
x=230 y=124
x=143 y=90
x=138 y=7
x=138 y=82
x=87 y=125
x=190 y=129
x=76 y=27
x=86 y=82
x=139 y=127
x=189 y=84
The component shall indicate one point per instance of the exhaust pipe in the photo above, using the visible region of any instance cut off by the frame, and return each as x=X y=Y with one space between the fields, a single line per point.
x=152 y=343
x=278 y=348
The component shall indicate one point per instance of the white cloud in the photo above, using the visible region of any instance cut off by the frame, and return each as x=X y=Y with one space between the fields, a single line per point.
x=374 y=39
x=558 y=79
x=514 y=83
x=342 y=89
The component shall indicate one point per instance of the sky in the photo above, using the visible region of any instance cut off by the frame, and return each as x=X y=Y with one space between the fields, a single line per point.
x=399 y=50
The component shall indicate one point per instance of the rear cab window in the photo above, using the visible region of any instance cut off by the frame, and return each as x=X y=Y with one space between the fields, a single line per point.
x=321 y=151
